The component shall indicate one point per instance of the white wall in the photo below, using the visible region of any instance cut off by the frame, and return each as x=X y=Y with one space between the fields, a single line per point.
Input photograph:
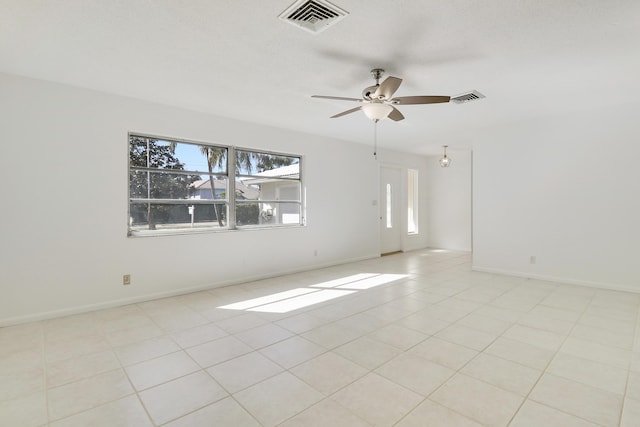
x=66 y=249
x=565 y=189
x=448 y=193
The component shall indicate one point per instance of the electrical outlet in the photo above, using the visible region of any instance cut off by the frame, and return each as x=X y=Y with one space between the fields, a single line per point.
x=126 y=279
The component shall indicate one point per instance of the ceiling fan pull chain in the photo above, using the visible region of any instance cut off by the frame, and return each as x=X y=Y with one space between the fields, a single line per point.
x=375 y=139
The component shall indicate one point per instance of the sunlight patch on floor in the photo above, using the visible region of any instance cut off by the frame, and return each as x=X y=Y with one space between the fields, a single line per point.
x=283 y=302
x=343 y=280
x=291 y=304
x=254 y=302
x=381 y=279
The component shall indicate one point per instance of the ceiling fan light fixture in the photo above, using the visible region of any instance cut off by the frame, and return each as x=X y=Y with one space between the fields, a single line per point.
x=445 y=161
x=377 y=110
x=378 y=102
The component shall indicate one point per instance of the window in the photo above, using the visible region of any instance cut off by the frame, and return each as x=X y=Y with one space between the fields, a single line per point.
x=389 y=207
x=268 y=189
x=183 y=186
x=412 y=201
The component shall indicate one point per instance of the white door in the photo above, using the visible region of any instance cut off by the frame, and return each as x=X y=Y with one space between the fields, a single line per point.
x=390 y=207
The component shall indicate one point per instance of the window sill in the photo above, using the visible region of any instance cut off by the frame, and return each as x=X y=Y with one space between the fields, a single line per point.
x=181 y=232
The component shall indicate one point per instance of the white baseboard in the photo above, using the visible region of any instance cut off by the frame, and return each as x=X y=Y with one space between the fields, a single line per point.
x=566 y=280
x=148 y=297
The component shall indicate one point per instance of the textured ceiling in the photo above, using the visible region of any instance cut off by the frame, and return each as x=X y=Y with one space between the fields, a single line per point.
x=235 y=58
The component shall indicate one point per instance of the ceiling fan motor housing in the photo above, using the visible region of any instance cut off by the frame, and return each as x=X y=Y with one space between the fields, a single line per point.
x=376 y=73
x=369 y=91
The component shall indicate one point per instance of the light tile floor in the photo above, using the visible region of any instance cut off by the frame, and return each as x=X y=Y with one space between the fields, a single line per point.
x=413 y=339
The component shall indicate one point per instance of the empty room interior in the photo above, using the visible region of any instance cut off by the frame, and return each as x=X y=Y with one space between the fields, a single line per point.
x=312 y=213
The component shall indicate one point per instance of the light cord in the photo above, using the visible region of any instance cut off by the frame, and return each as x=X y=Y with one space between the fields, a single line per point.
x=375 y=139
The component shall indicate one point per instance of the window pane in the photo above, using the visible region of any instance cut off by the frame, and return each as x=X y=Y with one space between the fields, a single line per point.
x=138 y=185
x=246 y=192
x=266 y=164
x=137 y=151
x=274 y=213
x=388 y=207
x=150 y=216
x=199 y=158
x=288 y=213
x=247 y=213
x=288 y=191
x=267 y=189
x=202 y=189
x=163 y=154
x=153 y=153
x=161 y=185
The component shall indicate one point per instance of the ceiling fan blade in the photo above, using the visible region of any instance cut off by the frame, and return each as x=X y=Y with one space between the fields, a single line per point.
x=396 y=115
x=344 y=113
x=388 y=87
x=339 y=98
x=406 y=100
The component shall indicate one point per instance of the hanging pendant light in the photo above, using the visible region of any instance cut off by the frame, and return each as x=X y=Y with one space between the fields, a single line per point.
x=445 y=161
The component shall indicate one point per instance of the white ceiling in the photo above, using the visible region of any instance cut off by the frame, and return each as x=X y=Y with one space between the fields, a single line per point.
x=235 y=58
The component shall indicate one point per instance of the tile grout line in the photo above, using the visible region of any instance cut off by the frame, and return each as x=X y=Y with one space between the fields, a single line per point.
x=544 y=371
x=458 y=371
x=45 y=369
x=455 y=371
x=629 y=371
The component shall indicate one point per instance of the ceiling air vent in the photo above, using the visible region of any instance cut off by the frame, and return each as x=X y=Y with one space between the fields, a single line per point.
x=313 y=15
x=467 y=97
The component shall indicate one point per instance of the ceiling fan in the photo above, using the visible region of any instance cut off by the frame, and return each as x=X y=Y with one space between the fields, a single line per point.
x=378 y=102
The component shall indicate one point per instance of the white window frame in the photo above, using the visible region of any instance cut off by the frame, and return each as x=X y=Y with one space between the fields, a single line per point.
x=229 y=202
